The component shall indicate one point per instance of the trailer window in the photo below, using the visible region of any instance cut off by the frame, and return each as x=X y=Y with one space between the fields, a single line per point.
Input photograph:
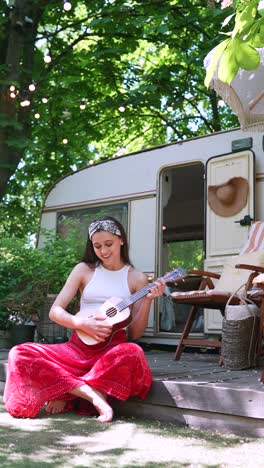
x=81 y=218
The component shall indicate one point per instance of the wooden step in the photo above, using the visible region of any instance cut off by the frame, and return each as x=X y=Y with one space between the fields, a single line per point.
x=196 y=392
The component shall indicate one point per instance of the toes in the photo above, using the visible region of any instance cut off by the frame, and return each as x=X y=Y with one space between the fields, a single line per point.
x=54 y=407
x=106 y=417
x=48 y=409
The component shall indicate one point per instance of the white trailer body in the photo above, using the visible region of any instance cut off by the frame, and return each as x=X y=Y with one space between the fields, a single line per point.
x=160 y=195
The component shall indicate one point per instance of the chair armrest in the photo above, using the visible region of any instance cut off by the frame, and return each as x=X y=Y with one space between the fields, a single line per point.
x=210 y=274
x=243 y=266
x=185 y=282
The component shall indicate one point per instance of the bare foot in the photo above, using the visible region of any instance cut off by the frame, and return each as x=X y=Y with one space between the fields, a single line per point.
x=97 y=399
x=55 y=406
x=104 y=409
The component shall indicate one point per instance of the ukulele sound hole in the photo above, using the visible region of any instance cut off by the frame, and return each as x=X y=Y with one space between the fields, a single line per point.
x=111 y=312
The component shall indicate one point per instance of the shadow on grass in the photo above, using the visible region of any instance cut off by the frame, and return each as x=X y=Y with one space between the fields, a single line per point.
x=54 y=441
x=69 y=440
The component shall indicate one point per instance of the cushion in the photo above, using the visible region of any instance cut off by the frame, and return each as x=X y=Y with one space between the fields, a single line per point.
x=255 y=240
x=233 y=278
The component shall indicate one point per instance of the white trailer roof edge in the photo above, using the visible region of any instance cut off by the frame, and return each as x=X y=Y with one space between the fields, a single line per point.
x=165 y=145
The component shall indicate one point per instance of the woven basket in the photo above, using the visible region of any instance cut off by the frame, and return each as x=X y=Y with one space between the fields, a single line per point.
x=239 y=341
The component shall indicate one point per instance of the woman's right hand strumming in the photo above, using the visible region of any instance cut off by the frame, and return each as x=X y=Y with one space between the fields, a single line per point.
x=95 y=326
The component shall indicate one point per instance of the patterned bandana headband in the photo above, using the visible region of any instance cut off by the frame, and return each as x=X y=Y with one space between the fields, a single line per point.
x=106 y=225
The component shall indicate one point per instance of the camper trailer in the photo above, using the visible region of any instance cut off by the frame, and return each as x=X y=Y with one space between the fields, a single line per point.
x=161 y=197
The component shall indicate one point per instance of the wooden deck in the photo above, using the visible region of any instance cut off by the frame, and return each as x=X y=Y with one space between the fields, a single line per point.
x=196 y=392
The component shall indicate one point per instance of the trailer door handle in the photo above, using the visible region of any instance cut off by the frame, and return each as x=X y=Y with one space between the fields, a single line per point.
x=246 y=221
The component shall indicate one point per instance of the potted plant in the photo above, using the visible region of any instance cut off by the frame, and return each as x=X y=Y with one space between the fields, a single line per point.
x=23 y=310
x=28 y=274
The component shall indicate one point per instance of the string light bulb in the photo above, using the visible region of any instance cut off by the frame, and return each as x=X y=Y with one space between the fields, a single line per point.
x=47 y=59
x=67 y=6
x=122 y=108
x=44 y=100
x=82 y=105
x=32 y=87
x=12 y=95
x=37 y=115
x=221 y=103
x=25 y=103
x=169 y=108
x=12 y=88
x=65 y=141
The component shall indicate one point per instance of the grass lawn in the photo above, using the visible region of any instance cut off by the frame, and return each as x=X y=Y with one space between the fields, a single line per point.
x=69 y=440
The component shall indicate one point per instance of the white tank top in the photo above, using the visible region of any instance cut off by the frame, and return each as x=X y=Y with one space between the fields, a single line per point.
x=103 y=285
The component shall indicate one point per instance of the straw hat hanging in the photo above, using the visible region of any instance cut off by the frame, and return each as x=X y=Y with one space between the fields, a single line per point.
x=229 y=198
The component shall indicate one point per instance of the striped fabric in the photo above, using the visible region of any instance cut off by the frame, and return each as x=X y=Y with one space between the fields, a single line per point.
x=255 y=240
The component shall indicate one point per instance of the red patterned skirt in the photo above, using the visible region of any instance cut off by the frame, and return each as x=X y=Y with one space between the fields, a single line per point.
x=38 y=373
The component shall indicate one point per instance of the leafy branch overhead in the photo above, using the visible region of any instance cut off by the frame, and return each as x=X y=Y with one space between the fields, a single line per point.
x=240 y=48
x=103 y=79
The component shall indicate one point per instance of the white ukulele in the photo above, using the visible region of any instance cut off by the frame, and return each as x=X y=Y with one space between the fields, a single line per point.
x=116 y=311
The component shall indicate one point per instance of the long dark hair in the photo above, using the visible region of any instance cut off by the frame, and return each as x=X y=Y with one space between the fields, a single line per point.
x=89 y=255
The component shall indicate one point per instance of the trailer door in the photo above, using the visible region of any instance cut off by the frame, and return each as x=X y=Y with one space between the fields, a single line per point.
x=226 y=235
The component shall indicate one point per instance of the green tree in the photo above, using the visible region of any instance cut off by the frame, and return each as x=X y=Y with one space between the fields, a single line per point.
x=27 y=274
x=135 y=67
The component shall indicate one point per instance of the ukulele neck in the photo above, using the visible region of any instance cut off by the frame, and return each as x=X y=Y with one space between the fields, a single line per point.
x=134 y=297
x=144 y=291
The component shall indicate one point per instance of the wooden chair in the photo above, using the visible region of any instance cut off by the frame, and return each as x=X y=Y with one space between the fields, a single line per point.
x=210 y=296
x=215 y=290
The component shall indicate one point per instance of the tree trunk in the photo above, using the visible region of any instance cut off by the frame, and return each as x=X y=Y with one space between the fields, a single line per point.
x=216 y=121
x=21 y=33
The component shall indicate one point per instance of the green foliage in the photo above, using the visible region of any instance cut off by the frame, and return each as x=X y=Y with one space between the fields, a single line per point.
x=228 y=66
x=18 y=142
x=28 y=274
x=17 y=262
x=59 y=255
x=187 y=254
x=9 y=123
x=240 y=50
x=218 y=51
x=143 y=55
